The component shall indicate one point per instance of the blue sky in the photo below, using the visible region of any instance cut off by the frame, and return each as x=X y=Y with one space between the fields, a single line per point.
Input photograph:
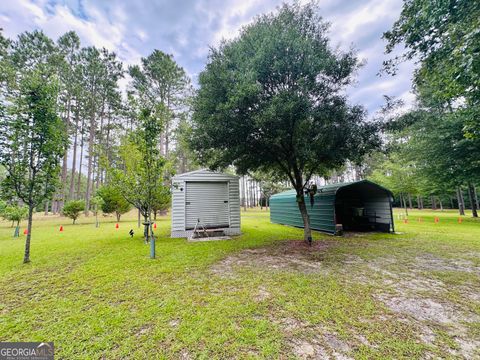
x=187 y=28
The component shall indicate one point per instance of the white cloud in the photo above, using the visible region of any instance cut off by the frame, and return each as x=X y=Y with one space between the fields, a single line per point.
x=188 y=28
x=96 y=31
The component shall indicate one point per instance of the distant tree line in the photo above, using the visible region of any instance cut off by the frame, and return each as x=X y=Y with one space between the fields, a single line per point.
x=72 y=141
x=95 y=113
x=432 y=154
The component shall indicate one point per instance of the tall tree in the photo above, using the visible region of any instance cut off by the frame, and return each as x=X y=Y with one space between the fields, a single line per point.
x=100 y=72
x=32 y=140
x=273 y=99
x=141 y=172
x=443 y=37
x=68 y=46
x=161 y=81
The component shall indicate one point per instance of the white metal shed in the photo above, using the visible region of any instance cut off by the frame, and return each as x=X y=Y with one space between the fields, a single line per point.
x=207 y=197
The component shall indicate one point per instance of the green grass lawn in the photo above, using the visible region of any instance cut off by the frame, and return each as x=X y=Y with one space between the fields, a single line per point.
x=96 y=294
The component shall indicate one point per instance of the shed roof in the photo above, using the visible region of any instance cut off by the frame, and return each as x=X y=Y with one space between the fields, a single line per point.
x=333 y=188
x=203 y=173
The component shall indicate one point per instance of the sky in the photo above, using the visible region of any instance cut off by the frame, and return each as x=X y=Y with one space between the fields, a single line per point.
x=187 y=29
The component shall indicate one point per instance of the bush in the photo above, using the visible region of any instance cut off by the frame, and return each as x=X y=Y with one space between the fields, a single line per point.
x=15 y=213
x=72 y=209
x=113 y=201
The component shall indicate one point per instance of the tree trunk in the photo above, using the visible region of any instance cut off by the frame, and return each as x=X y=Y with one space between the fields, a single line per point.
x=476 y=197
x=405 y=205
x=91 y=138
x=461 y=205
x=82 y=144
x=26 y=257
x=441 y=204
x=434 y=203
x=17 y=230
x=46 y=207
x=118 y=216
x=307 y=232
x=473 y=203
x=410 y=201
x=167 y=137
x=74 y=159
x=244 y=194
x=101 y=145
x=139 y=217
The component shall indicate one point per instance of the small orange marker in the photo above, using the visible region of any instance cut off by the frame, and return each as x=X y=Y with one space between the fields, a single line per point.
x=459 y=220
x=437 y=220
x=61 y=228
x=405 y=221
x=25 y=232
x=116 y=226
x=154 y=225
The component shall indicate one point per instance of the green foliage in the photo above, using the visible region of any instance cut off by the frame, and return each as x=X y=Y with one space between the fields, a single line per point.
x=443 y=36
x=113 y=201
x=32 y=140
x=161 y=199
x=159 y=81
x=140 y=175
x=273 y=100
x=270 y=184
x=14 y=213
x=3 y=205
x=73 y=208
x=96 y=203
x=32 y=136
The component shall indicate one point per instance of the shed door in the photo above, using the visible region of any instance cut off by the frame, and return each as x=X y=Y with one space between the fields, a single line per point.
x=207 y=201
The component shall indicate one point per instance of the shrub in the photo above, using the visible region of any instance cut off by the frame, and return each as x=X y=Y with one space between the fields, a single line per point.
x=113 y=201
x=72 y=209
x=15 y=213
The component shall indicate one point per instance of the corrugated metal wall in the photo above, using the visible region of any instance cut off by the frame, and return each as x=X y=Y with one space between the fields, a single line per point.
x=180 y=196
x=284 y=210
x=284 y=207
x=207 y=202
x=234 y=203
x=178 y=206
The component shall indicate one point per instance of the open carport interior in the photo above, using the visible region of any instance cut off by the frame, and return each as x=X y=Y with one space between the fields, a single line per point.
x=364 y=207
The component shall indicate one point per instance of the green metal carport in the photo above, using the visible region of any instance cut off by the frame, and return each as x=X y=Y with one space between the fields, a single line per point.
x=357 y=206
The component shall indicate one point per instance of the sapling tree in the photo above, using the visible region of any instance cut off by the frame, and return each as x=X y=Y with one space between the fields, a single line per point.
x=96 y=203
x=32 y=140
x=273 y=99
x=113 y=201
x=142 y=170
x=73 y=208
x=15 y=214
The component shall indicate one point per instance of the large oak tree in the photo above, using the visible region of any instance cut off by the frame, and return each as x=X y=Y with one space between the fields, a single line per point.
x=273 y=99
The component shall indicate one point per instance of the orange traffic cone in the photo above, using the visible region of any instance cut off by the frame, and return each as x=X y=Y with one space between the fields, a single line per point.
x=61 y=228
x=116 y=226
x=154 y=225
x=437 y=220
x=459 y=220
x=25 y=232
x=405 y=221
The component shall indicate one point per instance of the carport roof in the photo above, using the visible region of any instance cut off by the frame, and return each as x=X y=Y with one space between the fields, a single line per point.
x=333 y=188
